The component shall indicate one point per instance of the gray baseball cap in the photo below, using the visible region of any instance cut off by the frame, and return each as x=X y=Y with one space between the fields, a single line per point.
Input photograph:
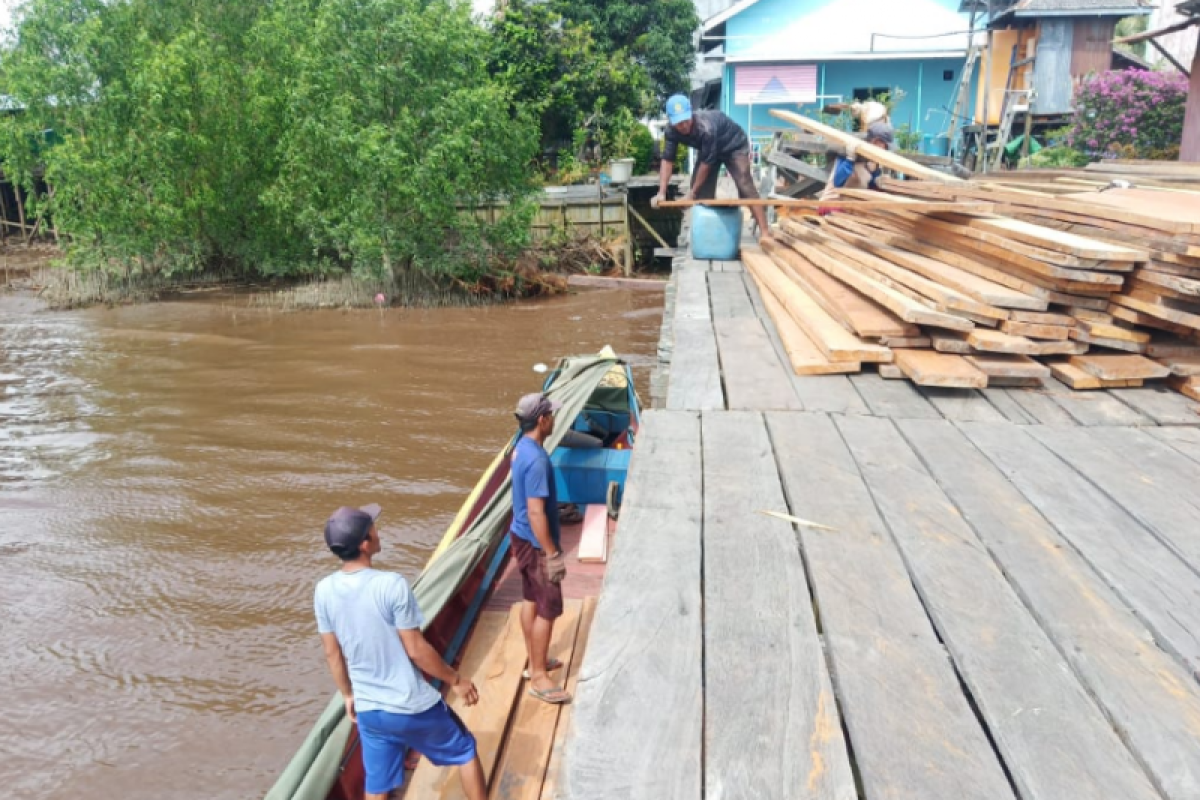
x=534 y=406
x=348 y=527
x=881 y=131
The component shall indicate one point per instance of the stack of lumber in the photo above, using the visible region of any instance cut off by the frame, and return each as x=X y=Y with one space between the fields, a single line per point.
x=966 y=284
x=1144 y=174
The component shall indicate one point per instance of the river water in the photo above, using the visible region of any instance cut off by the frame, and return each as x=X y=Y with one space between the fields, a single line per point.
x=165 y=471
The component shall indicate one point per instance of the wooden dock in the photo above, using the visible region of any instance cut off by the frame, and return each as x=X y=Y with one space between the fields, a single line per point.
x=1008 y=605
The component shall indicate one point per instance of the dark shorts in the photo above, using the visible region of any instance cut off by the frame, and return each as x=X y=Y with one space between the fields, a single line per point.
x=535 y=588
x=738 y=166
x=438 y=734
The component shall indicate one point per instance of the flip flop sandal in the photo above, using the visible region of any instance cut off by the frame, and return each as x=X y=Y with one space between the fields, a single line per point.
x=555 y=696
x=551 y=665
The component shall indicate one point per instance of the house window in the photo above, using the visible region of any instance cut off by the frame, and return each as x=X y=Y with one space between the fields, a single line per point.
x=948 y=75
x=870 y=92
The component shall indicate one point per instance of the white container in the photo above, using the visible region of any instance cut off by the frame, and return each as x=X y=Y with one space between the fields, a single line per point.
x=621 y=170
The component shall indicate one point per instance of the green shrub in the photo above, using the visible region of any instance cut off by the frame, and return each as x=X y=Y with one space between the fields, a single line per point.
x=1129 y=113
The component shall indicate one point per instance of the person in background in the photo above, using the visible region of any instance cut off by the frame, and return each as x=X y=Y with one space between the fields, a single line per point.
x=850 y=172
x=370 y=627
x=535 y=541
x=717 y=140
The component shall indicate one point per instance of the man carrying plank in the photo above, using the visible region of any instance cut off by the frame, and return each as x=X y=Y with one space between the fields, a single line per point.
x=850 y=173
x=370 y=626
x=717 y=140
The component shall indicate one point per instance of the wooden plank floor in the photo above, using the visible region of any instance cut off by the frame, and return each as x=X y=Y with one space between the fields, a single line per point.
x=1004 y=609
x=519 y=738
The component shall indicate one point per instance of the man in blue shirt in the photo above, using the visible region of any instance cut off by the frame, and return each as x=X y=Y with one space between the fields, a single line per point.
x=534 y=536
x=370 y=627
x=850 y=173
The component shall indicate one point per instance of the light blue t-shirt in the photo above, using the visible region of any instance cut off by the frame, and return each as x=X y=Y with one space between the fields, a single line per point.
x=364 y=610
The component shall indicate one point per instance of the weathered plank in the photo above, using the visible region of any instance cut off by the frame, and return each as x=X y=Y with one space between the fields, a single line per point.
x=1112 y=367
x=1185 y=440
x=893 y=398
x=1152 y=481
x=1002 y=365
x=1009 y=408
x=1148 y=696
x=727 y=266
x=798 y=749
x=1161 y=404
x=1054 y=740
x=1094 y=409
x=638 y=712
x=961 y=404
x=1042 y=406
x=913 y=732
x=831 y=393
x=727 y=294
x=695 y=378
x=691 y=295
x=1149 y=577
x=753 y=375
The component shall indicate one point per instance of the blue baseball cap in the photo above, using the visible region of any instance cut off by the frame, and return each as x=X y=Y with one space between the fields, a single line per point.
x=679 y=108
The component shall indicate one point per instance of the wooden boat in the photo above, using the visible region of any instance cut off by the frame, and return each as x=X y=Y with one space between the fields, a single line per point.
x=469 y=589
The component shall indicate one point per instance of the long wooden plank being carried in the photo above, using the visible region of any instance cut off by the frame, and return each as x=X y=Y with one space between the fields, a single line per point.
x=861 y=316
x=1005 y=658
x=808 y=754
x=913 y=732
x=640 y=697
x=1149 y=696
x=877 y=154
x=826 y=333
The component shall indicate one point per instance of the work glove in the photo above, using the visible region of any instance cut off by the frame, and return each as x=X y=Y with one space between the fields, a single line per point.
x=654 y=201
x=852 y=149
x=556 y=567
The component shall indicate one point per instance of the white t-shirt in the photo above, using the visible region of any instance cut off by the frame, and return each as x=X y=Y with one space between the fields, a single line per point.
x=364 y=610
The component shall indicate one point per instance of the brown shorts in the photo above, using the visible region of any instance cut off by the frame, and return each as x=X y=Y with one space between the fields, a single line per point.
x=535 y=588
x=738 y=166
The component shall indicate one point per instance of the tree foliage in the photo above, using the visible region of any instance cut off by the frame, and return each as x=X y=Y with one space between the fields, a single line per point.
x=558 y=71
x=1130 y=113
x=657 y=35
x=265 y=137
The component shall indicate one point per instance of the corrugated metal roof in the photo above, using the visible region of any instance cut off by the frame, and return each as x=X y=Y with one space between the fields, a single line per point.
x=1026 y=7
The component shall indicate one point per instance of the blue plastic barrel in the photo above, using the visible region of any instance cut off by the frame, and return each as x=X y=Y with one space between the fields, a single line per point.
x=716 y=233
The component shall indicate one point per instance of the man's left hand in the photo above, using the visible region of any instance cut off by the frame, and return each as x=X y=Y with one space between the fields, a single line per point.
x=556 y=567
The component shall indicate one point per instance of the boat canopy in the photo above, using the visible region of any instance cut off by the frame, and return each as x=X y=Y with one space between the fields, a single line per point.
x=577 y=382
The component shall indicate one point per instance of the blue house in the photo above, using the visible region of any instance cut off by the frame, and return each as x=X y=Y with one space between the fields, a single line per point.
x=805 y=54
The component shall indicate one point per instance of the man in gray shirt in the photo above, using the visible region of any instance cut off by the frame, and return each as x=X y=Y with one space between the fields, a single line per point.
x=370 y=626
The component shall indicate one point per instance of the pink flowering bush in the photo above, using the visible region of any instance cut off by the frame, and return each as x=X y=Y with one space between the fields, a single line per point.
x=1129 y=113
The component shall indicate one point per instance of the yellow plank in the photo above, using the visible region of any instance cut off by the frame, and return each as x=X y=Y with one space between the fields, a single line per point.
x=526 y=753
x=806 y=357
x=1074 y=377
x=1120 y=367
x=564 y=721
x=931 y=368
x=837 y=343
x=1034 y=330
x=498 y=678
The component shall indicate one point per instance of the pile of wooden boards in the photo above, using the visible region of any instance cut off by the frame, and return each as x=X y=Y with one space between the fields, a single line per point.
x=963 y=298
x=1066 y=180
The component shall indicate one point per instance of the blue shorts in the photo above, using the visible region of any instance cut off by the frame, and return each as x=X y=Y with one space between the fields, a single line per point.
x=438 y=734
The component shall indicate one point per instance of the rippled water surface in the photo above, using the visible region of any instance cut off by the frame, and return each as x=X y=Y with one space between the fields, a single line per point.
x=164 y=474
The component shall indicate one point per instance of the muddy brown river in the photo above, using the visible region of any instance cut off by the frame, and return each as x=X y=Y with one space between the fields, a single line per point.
x=165 y=471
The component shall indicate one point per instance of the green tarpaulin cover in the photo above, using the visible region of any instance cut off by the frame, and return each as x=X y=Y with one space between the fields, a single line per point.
x=312 y=771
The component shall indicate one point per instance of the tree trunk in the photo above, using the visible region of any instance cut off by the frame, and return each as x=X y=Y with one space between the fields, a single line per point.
x=1190 y=148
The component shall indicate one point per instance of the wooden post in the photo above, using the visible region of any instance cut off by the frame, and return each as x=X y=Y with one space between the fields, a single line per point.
x=1189 y=149
x=20 y=210
x=4 y=213
x=628 y=240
